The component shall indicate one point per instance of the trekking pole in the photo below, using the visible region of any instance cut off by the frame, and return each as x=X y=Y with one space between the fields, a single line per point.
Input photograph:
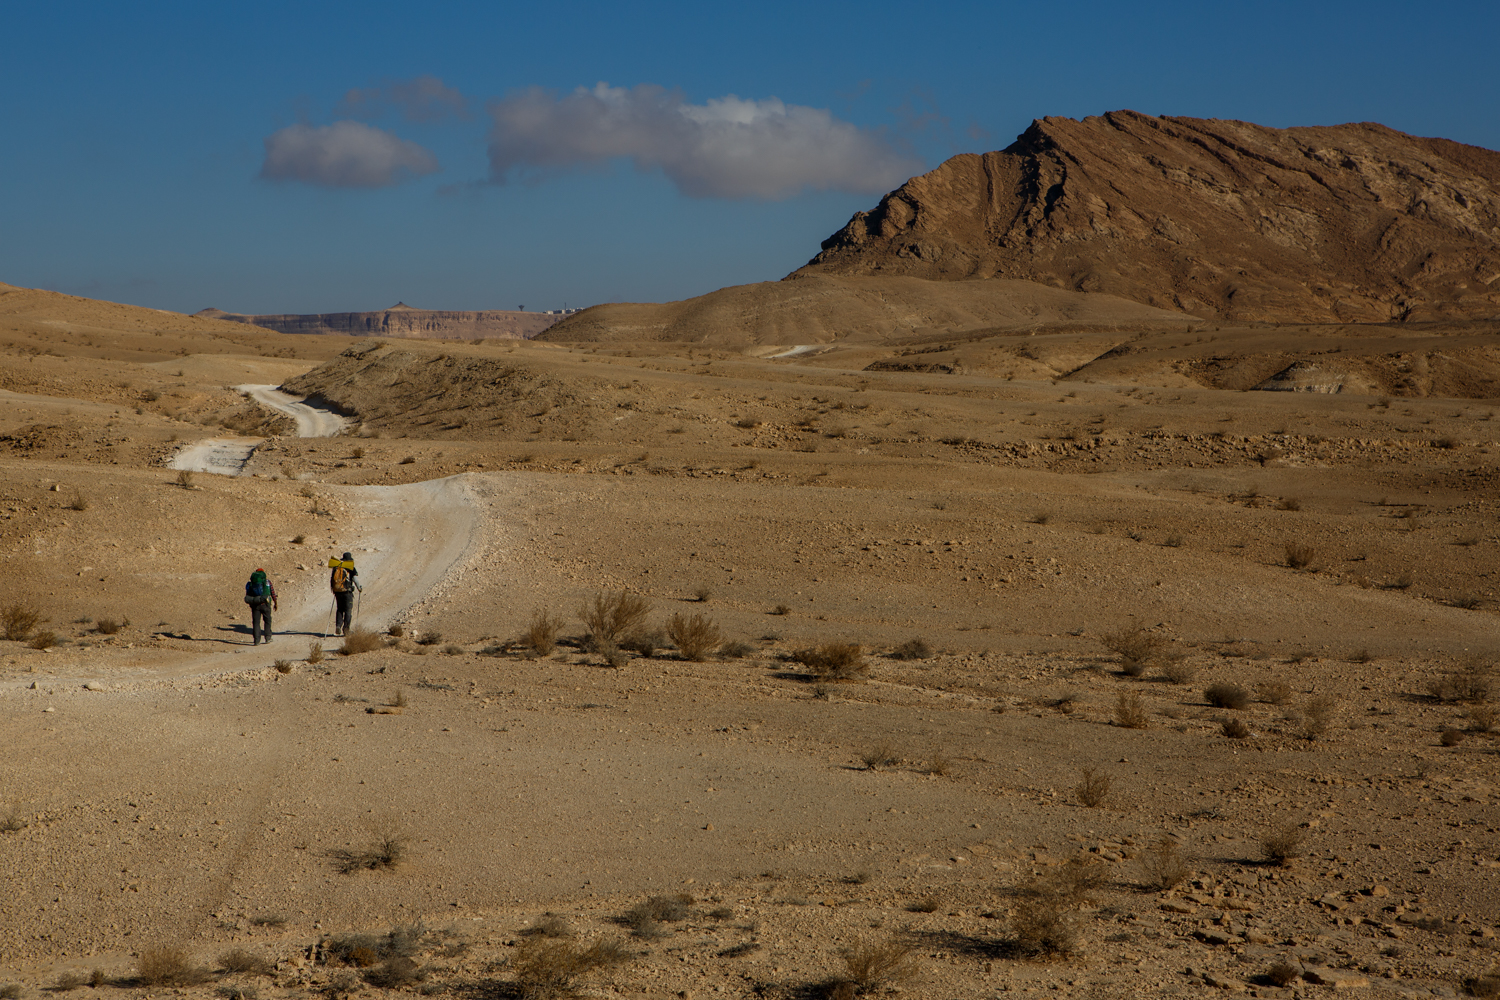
x=332 y=608
x=359 y=600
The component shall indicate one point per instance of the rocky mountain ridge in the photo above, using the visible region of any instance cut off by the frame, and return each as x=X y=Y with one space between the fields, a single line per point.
x=403 y=321
x=1220 y=219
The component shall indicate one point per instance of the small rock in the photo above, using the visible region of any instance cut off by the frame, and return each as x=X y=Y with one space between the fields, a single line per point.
x=1178 y=906
x=93 y=686
x=709 y=827
x=49 y=708
x=1378 y=890
x=1222 y=982
x=1258 y=937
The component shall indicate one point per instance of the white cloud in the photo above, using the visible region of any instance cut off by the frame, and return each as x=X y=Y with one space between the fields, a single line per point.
x=725 y=148
x=344 y=154
x=420 y=99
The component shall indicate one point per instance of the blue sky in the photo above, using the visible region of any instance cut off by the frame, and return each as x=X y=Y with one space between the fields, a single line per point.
x=183 y=155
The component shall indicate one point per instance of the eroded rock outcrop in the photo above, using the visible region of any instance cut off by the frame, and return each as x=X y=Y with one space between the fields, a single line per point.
x=402 y=320
x=1221 y=219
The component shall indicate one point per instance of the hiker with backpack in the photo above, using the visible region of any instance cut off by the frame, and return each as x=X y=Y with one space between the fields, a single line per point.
x=342 y=581
x=260 y=594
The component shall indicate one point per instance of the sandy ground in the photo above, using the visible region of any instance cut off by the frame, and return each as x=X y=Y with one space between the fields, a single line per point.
x=169 y=785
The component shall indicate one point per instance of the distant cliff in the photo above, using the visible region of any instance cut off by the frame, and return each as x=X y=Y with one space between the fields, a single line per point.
x=1220 y=219
x=401 y=320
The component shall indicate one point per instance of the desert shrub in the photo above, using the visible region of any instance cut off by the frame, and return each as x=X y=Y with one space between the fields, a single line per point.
x=385 y=851
x=1093 y=787
x=298 y=539
x=315 y=653
x=106 y=626
x=19 y=618
x=1281 y=845
x=276 y=920
x=1040 y=517
x=1283 y=974
x=552 y=925
x=1179 y=672
x=542 y=631
x=360 y=639
x=608 y=617
x=398 y=700
x=168 y=965
x=1450 y=737
x=396 y=631
x=1482 y=718
x=939 y=765
x=1317 y=715
x=1235 y=729
x=873 y=966
x=1041 y=923
x=430 y=638
x=644 y=643
x=547 y=968
x=185 y=479
x=1130 y=711
x=1361 y=656
x=1474 y=683
x=79 y=502
x=834 y=661
x=695 y=636
x=1299 y=556
x=1274 y=692
x=66 y=983
x=927 y=904
x=880 y=756
x=1138 y=650
x=912 y=649
x=43 y=640
x=1289 y=503
x=1226 y=695
x=241 y=961
x=1468 y=602
x=1164 y=864
x=702 y=594
x=409 y=459
x=453 y=649
x=736 y=650
x=395 y=972
x=781 y=609
x=283 y=666
x=357 y=453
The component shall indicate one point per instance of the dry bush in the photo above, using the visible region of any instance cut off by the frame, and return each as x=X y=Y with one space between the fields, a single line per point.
x=1317 y=715
x=168 y=965
x=241 y=961
x=547 y=968
x=1299 y=556
x=644 y=643
x=79 y=502
x=702 y=594
x=552 y=925
x=298 y=539
x=408 y=460
x=927 y=904
x=1041 y=923
x=1450 y=737
x=396 y=631
x=695 y=636
x=736 y=650
x=1289 y=503
x=106 y=626
x=430 y=638
x=276 y=920
x=453 y=649
x=1226 y=695
x=608 y=617
x=1130 y=711
x=360 y=639
x=1138 y=650
x=1282 y=845
x=781 y=609
x=874 y=966
x=1235 y=729
x=1093 y=787
x=283 y=666
x=66 y=983
x=939 y=766
x=542 y=631
x=19 y=618
x=1283 y=974
x=881 y=756
x=315 y=653
x=1274 y=692
x=386 y=851
x=1179 y=672
x=43 y=640
x=912 y=649
x=834 y=661
x=1164 y=864
x=395 y=972
x=398 y=700
x=357 y=453
x=1474 y=683
x=1482 y=718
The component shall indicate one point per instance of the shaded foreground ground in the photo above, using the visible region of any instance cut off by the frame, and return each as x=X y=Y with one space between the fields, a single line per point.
x=199 y=798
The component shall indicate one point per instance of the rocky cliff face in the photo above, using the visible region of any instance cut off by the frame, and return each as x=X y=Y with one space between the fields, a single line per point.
x=1220 y=219
x=403 y=321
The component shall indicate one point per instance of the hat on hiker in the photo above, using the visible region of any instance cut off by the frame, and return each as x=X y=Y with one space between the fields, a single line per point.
x=348 y=557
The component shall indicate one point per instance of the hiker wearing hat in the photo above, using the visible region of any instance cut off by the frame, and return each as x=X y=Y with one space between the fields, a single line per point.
x=260 y=594
x=343 y=584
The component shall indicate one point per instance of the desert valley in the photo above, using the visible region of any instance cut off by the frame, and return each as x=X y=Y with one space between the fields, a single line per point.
x=1079 y=579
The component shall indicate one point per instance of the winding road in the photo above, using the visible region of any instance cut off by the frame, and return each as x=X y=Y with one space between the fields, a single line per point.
x=228 y=456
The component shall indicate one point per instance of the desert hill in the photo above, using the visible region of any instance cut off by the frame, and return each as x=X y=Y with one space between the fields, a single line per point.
x=402 y=320
x=1216 y=218
x=822 y=309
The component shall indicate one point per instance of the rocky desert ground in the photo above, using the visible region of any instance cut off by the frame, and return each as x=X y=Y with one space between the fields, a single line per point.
x=861 y=634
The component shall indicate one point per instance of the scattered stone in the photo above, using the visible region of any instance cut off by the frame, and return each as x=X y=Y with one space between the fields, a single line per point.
x=1339 y=979
x=1223 y=982
x=1178 y=906
x=384 y=710
x=93 y=686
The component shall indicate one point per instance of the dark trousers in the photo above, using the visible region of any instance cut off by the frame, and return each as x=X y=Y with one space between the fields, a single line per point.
x=260 y=622
x=345 y=612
